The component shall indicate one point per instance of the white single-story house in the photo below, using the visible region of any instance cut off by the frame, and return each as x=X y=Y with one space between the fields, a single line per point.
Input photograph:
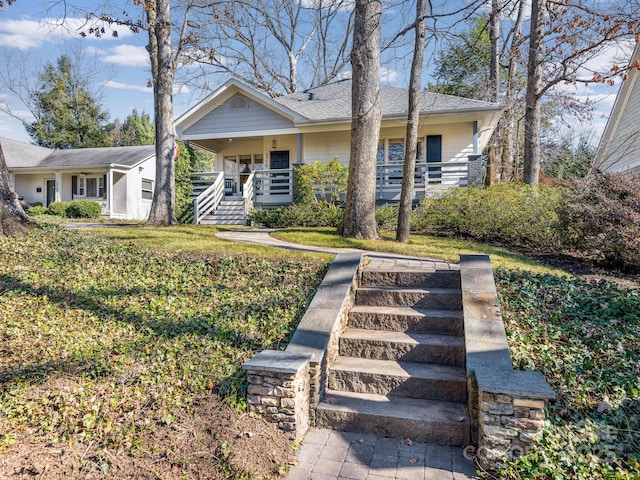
x=120 y=179
x=257 y=140
x=619 y=148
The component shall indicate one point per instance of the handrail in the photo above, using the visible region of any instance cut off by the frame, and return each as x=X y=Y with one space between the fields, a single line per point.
x=248 y=193
x=209 y=199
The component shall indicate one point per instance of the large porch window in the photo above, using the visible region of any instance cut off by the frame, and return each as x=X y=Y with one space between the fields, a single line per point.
x=89 y=187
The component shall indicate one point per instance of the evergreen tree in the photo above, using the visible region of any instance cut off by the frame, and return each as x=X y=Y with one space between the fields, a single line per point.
x=462 y=68
x=67 y=113
x=137 y=129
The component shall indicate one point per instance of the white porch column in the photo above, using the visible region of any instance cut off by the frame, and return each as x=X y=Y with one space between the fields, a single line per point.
x=109 y=187
x=12 y=181
x=58 y=192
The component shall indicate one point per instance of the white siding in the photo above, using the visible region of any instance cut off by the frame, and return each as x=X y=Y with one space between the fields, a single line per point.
x=255 y=118
x=137 y=207
x=26 y=185
x=457 y=142
x=623 y=152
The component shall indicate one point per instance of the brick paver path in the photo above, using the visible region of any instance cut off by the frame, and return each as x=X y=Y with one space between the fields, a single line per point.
x=331 y=455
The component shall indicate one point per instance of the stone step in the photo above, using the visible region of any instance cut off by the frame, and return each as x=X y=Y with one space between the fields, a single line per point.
x=414 y=347
x=399 y=417
x=217 y=221
x=411 y=278
x=232 y=204
x=406 y=319
x=385 y=377
x=433 y=298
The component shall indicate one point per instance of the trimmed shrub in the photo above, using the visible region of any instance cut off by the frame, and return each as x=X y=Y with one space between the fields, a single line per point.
x=511 y=213
x=315 y=214
x=37 y=210
x=58 y=208
x=387 y=217
x=320 y=181
x=84 y=209
x=600 y=216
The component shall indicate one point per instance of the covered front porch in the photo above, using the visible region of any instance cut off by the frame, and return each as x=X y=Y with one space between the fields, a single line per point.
x=268 y=188
x=107 y=187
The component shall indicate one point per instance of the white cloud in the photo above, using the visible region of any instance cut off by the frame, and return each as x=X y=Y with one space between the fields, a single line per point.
x=25 y=34
x=388 y=75
x=127 y=86
x=129 y=55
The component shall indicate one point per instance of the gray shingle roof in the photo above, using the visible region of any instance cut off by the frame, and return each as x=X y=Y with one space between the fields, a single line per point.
x=333 y=101
x=24 y=155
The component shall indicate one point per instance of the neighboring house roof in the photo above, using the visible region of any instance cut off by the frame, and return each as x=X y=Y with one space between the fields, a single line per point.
x=619 y=148
x=19 y=155
x=331 y=103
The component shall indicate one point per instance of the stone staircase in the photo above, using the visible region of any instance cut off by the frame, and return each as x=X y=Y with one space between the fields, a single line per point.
x=400 y=369
x=229 y=212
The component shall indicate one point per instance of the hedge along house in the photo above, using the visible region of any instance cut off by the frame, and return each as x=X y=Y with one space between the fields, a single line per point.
x=259 y=140
x=120 y=179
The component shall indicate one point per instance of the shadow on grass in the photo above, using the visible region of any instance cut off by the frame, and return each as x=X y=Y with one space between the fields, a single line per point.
x=213 y=325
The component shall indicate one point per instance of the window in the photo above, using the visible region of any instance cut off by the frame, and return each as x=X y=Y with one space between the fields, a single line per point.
x=396 y=150
x=91 y=187
x=238 y=103
x=147 y=189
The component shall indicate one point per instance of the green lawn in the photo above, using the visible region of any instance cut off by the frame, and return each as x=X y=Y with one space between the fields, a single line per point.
x=110 y=339
x=105 y=344
x=448 y=249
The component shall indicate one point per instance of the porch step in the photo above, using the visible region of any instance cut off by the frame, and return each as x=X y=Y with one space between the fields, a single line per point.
x=229 y=212
x=411 y=278
x=407 y=319
x=415 y=347
x=420 y=420
x=430 y=298
x=408 y=379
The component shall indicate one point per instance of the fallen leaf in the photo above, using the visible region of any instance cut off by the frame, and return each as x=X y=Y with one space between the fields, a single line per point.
x=413 y=460
x=408 y=441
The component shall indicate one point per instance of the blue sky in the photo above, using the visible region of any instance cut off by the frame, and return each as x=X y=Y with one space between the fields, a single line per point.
x=122 y=66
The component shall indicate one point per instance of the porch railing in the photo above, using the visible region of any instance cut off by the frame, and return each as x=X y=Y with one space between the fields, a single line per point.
x=208 y=199
x=273 y=186
x=432 y=176
x=248 y=192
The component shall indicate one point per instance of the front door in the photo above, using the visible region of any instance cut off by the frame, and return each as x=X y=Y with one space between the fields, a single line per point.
x=50 y=191
x=434 y=155
x=280 y=181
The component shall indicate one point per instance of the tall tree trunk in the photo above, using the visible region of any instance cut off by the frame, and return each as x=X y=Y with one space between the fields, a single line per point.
x=532 y=99
x=509 y=132
x=413 y=119
x=163 y=70
x=493 y=165
x=359 y=219
x=12 y=217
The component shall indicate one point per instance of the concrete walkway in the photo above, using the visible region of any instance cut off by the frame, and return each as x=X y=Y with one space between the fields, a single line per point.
x=332 y=455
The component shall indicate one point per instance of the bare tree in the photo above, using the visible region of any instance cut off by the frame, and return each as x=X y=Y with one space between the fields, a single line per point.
x=565 y=35
x=493 y=166
x=413 y=118
x=263 y=42
x=359 y=219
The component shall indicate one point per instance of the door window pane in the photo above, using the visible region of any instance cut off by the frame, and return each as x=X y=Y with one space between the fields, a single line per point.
x=92 y=187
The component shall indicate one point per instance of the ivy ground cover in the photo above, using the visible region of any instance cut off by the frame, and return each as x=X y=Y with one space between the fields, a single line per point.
x=107 y=345
x=583 y=336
